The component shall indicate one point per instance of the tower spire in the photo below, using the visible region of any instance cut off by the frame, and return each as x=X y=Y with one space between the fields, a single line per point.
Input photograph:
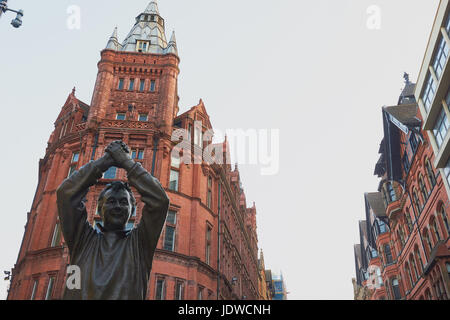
x=152 y=8
x=113 y=42
x=172 y=47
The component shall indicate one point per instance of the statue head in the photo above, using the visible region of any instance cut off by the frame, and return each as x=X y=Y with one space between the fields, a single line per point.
x=116 y=203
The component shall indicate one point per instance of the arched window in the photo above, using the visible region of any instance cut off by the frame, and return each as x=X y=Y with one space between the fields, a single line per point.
x=388 y=254
x=408 y=272
x=416 y=201
x=435 y=229
x=382 y=227
x=408 y=221
x=390 y=192
x=427 y=239
x=396 y=289
x=414 y=267
x=402 y=235
x=444 y=218
x=419 y=259
x=430 y=173
x=423 y=189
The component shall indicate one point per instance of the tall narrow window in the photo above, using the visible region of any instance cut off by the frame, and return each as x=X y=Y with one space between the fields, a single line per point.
x=436 y=230
x=74 y=163
x=190 y=133
x=174 y=173
x=413 y=142
x=408 y=272
x=405 y=161
x=447 y=26
x=443 y=215
x=408 y=221
x=429 y=92
x=416 y=201
x=56 y=239
x=179 y=290
x=441 y=127
x=388 y=254
x=391 y=192
x=447 y=171
x=174 y=176
x=152 y=85
x=440 y=58
x=427 y=239
x=48 y=294
x=160 y=289
x=169 y=237
x=209 y=195
x=198 y=135
x=121 y=84
x=200 y=293
x=396 y=289
x=419 y=259
x=208 y=244
x=423 y=189
x=414 y=267
x=382 y=227
x=430 y=173
x=401 y=236
x=34 y=289
x=142 y=85
x=131 y=87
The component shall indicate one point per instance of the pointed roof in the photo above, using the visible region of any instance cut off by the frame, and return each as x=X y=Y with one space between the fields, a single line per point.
x=172 y=47
x=113 y=42
x=149 y=28
x=152 y=8
x=405 y=114
x=376 y=203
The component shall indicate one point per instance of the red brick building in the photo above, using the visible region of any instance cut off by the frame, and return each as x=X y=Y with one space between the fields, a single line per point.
x=405 y=239
x=209 y=247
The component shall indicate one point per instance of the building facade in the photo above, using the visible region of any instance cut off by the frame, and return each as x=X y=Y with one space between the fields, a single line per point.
x=433 y=91
x=208 y=248
x=405 y=238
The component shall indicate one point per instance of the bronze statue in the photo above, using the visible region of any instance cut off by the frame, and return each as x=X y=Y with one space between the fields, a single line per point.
x=114 y=263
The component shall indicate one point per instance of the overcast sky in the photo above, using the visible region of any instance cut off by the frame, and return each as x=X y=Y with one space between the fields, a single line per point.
x=317 y=70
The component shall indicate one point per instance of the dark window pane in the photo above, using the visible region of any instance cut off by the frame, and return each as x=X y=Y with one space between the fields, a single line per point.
x=169 y=239
x=121 y=81
x=160 y=294
x=110 y=173
x=171 y=217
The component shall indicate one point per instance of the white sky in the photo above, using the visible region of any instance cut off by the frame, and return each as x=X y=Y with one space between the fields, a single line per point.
x=309 y=68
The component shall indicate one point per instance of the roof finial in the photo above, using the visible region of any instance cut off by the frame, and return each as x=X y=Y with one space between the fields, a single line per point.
x=406 y=77
x=73 y=91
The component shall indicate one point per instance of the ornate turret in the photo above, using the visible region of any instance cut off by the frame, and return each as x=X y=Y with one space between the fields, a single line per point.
x=147 y=35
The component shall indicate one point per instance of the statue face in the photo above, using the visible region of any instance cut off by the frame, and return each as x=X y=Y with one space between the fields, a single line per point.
x=116 y=209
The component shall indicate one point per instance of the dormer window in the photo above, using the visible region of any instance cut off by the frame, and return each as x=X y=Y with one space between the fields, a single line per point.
x=142 y=46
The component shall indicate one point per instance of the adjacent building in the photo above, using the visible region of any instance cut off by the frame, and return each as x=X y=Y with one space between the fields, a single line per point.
x=209 y=247
x=404 y=240
x=433 y=91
